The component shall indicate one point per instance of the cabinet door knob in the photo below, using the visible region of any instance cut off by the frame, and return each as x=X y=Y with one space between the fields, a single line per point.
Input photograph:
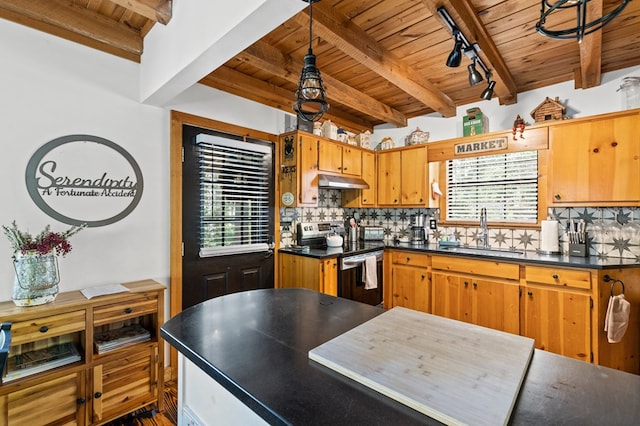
x=97 y=395
x=80 y=401
x=596 y=150
x=128 y=310
x=475 y=285
x=44 y=329
x=466 y=284
x=423 y=277
x=614 y=144
x=554 y=276
x=557 y=196
x=408 y=259
x=530 y=293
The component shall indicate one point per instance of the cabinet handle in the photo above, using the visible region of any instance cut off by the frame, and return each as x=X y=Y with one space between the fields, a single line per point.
x=97 y=395
x=466 y=284
x=614 y=144
x=554 y=276
x=596 y=150
x=345 y=168
x=364 y=200
x=408 y=259
x=475 y=285
x=128 y=310
x=423 y=277
x=530 y=293
x=44 y=329
x=557 y=196
x=80 y=401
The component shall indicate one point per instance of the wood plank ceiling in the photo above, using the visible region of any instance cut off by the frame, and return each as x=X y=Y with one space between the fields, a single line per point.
x=382 y=61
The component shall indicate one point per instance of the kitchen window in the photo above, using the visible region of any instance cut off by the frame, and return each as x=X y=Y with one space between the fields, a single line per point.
x=235 y=186
x=505 y=184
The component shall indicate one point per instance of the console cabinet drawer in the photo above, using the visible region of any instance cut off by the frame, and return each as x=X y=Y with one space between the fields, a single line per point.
x=122 y=311
x=410 y=258
x=47 y=327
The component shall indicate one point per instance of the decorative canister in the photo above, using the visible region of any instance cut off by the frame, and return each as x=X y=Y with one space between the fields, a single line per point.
x=416 y=137
x=630 y=89
x=329 y=130
x=36 y=280
x=317 y=128
x=364 y=139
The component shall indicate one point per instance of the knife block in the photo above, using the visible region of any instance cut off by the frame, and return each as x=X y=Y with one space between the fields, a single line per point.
x=579 y=249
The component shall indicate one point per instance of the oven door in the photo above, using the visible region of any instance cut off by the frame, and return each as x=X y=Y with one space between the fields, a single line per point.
x=351 y=282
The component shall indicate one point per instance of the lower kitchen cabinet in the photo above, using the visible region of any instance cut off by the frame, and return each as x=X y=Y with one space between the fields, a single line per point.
x=409 y=281
x=558 y=320
x=308 y=272
x=93 y=388
x=477 y=301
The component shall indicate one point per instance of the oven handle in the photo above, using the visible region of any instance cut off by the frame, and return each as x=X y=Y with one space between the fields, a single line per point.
x=348 y=263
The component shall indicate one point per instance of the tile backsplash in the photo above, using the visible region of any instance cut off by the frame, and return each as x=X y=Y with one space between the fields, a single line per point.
x=613 y=232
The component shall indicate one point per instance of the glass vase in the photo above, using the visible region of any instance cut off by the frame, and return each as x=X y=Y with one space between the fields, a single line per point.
x=36 y=280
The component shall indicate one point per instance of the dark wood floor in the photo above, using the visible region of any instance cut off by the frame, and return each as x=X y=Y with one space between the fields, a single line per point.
x=147 y=417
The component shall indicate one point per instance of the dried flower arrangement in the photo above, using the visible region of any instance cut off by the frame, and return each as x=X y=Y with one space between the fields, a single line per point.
x=43 y=243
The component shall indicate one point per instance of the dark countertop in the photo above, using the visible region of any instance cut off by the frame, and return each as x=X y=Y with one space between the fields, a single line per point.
x=591 y=262
x=256 y=344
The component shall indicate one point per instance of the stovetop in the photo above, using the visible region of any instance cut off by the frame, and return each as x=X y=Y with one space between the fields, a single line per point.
x=346 y=250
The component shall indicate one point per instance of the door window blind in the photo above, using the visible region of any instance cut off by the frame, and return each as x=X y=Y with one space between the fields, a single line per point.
x=234 y=195
x=505 y=184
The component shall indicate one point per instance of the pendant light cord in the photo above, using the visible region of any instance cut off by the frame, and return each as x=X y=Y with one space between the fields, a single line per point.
x=310 y=22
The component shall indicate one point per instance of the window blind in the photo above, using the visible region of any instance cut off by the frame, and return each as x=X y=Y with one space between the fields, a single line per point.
x=234 y=195
x=505 y=184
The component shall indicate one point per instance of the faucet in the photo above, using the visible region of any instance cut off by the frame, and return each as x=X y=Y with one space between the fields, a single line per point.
x=483 y=233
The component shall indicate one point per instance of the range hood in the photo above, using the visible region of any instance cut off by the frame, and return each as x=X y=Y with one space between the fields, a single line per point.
x=341 y=182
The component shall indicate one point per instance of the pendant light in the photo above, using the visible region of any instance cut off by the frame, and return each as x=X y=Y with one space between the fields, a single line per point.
x=310 y=104
x=582 y=27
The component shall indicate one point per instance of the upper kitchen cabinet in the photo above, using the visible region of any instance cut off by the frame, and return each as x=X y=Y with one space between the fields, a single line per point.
x=298 y=170
x=402 y=177
x=340 y=158
x=355 y=198
x=595 y=161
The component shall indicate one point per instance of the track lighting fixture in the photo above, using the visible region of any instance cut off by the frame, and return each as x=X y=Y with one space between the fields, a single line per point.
x=310 y=104
x=462 y=45
x=577 y=8
x=474 y=76
x=455 y=57
x=487 y=93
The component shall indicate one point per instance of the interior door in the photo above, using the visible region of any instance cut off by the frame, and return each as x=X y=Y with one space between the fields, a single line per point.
x=208 y=277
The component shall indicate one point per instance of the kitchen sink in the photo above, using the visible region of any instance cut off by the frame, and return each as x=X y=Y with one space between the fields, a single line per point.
x=484 y=251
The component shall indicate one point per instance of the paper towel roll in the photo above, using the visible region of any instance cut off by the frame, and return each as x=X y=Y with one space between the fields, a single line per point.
x=549 y=236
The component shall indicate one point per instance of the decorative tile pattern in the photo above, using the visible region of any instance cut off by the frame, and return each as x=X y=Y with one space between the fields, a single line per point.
x=613 y=231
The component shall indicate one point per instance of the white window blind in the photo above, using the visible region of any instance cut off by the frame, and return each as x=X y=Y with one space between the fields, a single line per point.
x=234 y=195
x=505 y=184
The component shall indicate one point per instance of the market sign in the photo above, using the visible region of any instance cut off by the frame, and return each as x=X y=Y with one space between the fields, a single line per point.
x=496 y=144
x=84 y=179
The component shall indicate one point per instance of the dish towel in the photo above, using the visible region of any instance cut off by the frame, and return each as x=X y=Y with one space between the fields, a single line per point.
x=617 y=318
x=370 y=272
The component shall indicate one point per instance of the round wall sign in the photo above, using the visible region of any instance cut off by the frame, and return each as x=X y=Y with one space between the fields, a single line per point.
x=84 y=179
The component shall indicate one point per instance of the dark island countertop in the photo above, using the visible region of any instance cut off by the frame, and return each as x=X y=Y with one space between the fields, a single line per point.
x=256 y=344
x=532 y=257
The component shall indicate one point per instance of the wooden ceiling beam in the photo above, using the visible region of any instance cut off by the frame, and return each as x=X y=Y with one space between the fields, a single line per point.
x=475 y=31
x=155 y=10
x=75 y=23
x=268 y=58
x=237 y=83
x=338 y=30
x=591 y=52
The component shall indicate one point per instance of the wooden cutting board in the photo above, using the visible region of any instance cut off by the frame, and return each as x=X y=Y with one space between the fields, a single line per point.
x=454 y=372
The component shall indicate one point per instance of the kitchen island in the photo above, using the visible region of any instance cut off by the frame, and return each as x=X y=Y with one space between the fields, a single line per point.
x=254 y=345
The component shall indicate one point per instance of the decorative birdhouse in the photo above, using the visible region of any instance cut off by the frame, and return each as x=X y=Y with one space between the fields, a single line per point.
x=549 y=109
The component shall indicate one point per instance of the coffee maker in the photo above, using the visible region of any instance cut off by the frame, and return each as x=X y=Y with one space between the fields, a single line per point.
x=417 y=229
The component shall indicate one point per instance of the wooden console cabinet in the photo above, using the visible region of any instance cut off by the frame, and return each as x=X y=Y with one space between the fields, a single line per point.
x=307 y=272
x=99 y=387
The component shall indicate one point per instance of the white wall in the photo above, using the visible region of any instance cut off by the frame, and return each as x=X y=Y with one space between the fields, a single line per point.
x=579 y=103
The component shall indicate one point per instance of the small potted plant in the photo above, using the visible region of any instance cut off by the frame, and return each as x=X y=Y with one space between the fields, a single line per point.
x=35 y=261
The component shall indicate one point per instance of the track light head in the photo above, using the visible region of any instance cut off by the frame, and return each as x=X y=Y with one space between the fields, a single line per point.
x=487 y=93
x=455 y=57
x=474 y=76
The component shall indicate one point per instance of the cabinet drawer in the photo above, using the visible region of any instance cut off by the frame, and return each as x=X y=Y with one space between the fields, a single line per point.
x=132 y=308
x=489 y=268
x=410 y=258
x=560 y=277
x=47 y=327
